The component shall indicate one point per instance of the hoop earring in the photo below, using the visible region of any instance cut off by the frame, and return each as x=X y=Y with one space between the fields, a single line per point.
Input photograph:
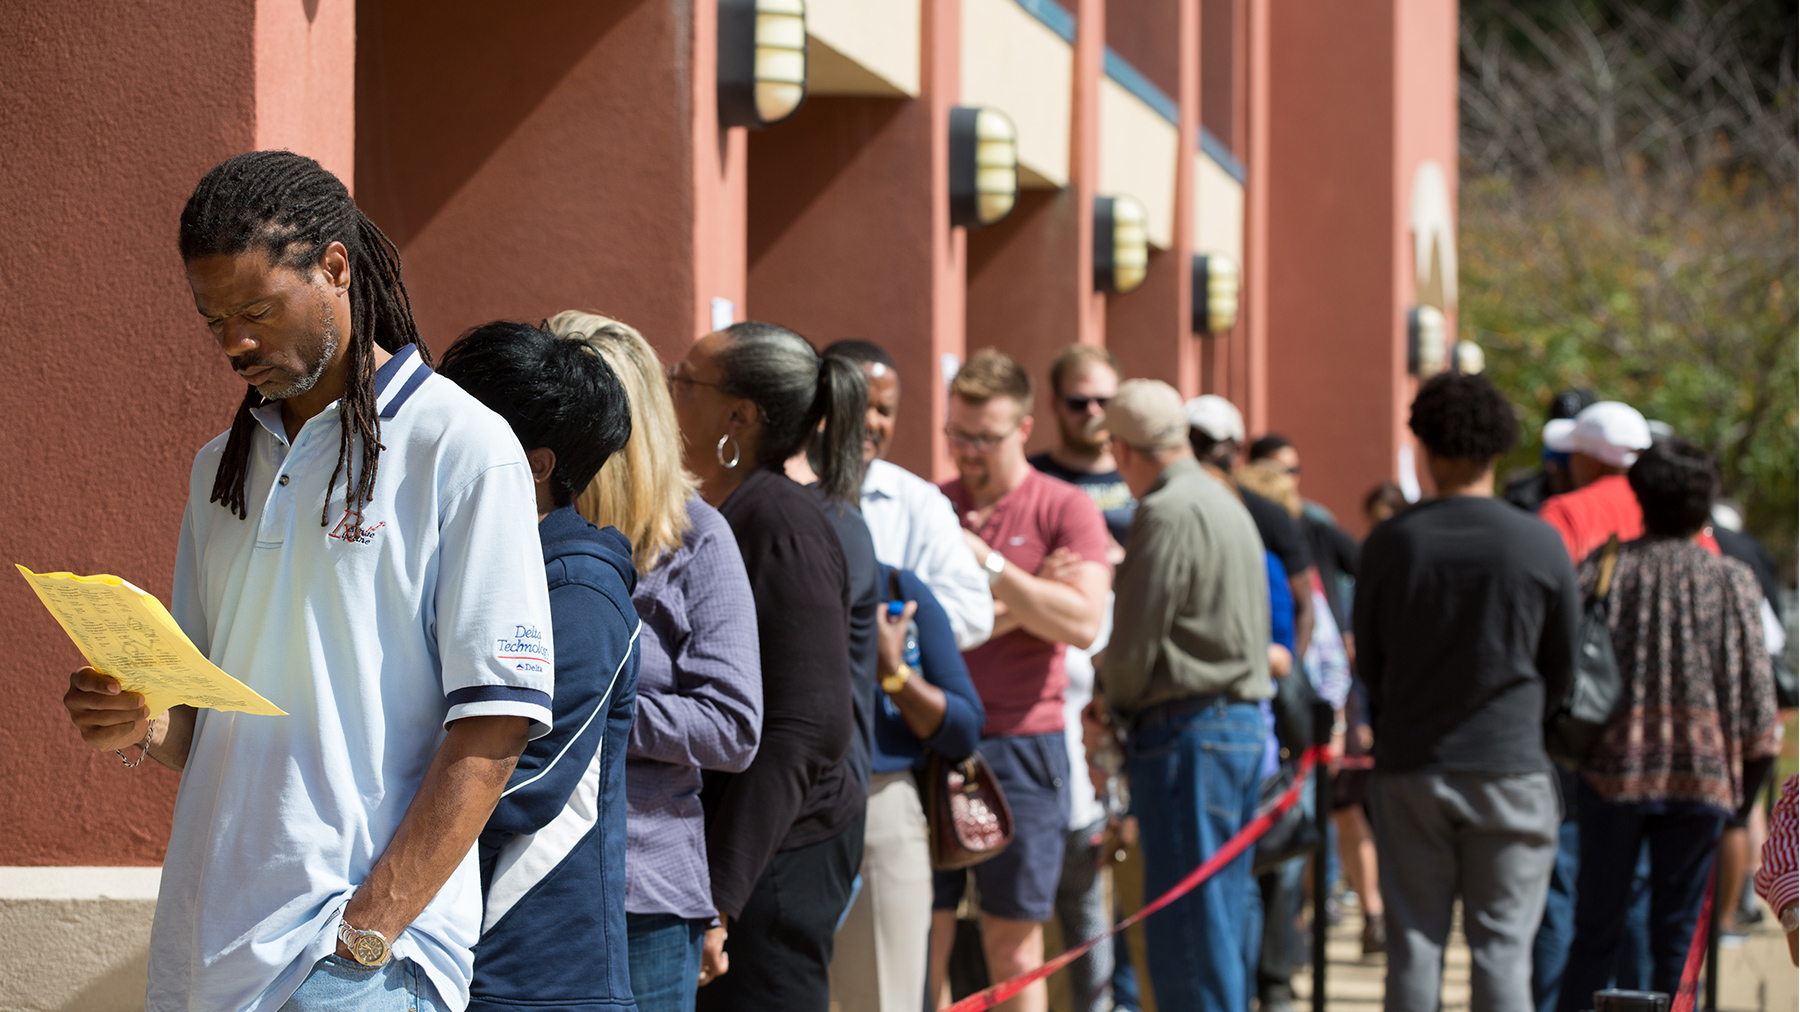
x=720 y=452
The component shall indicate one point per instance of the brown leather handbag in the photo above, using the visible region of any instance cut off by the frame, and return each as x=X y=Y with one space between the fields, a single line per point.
x=966 y=810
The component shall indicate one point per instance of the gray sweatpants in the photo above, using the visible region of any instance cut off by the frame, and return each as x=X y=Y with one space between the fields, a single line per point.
x=1489 y=839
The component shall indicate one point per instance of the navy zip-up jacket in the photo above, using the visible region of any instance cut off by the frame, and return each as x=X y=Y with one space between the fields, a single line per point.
x=553 y=853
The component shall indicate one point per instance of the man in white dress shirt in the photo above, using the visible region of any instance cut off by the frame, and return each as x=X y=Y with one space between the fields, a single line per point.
x=913 y=525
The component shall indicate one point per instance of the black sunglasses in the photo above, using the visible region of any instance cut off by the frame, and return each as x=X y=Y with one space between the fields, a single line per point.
x=1080 y=404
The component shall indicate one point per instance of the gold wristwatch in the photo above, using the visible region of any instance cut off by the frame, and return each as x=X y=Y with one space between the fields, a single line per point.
x=370 y=948
x=893 y=683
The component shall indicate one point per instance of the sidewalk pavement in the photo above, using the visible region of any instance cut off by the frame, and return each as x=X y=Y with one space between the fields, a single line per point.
x=1755 y=975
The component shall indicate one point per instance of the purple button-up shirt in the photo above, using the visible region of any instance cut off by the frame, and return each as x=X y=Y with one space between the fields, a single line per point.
x=699 y=707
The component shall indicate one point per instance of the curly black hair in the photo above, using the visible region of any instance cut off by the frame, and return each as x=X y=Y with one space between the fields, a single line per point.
x=1675 y=483
x=1463 y=417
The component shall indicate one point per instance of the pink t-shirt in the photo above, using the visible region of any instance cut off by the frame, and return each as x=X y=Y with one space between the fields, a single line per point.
x=1019 y=676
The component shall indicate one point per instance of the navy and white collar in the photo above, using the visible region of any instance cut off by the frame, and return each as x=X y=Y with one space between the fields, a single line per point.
x=397 y=379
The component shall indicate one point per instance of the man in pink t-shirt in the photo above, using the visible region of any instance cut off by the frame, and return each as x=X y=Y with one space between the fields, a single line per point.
x=1043 y=545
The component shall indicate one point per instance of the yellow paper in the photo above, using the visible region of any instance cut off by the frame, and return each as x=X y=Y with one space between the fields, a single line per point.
x=129 y=635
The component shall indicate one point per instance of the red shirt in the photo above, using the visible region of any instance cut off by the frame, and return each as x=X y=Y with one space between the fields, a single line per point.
x=1588 y=516
x=1019 y=676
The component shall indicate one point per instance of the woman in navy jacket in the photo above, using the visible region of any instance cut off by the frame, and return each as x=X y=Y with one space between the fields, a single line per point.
x=882 y=947
x=553 y=853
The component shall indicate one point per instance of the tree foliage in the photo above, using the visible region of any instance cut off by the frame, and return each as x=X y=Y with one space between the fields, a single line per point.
x=1628 y=222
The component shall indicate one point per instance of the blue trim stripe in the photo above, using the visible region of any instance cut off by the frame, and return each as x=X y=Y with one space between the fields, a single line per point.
x=500 y=693
x=1213 y=149
x=392 y=367
x=1052 y=16
x=1133 y=80
x=412 y=384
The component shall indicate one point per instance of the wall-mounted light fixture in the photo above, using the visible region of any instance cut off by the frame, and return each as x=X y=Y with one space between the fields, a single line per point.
x=1425 y=345
x=762 y=61
x=984 y=166
x=1215 y=282
x=1121 y=244
x=1468 y=358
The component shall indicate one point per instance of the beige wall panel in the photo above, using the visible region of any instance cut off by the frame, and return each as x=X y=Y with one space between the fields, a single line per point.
x=1012 y=62
x=77 y=939
x=1218 y=210
x=863 y=47
x=1138 y=152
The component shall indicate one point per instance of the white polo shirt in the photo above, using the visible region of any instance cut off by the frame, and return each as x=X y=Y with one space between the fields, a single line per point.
x=914 y=527
x=372 y=635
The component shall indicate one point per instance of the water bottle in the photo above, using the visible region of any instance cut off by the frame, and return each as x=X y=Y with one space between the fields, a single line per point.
x=910 y=652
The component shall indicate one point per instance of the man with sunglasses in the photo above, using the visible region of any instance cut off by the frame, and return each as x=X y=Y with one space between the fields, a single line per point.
x=1043 y=545
x=1083 y=379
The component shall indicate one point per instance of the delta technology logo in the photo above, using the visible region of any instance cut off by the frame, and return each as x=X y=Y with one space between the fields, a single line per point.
x=524 y=650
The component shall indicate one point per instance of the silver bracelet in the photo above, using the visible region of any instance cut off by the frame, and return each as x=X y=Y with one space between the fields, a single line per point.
x=143 y=747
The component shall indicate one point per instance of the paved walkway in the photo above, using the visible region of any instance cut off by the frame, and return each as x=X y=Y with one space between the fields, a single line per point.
x=1755 y=975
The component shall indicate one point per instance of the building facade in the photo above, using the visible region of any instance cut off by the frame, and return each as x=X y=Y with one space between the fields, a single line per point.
x=529 y=158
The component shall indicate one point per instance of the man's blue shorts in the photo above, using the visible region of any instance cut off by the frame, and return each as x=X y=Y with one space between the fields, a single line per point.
x=1020 y=883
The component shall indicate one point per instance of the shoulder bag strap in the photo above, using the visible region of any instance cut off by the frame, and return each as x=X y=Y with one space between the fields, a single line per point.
x=1608 y=561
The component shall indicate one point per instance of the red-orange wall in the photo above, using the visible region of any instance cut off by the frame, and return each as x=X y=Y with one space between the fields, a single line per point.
x=1349 y=118
x=113 y=112
x=530 y=158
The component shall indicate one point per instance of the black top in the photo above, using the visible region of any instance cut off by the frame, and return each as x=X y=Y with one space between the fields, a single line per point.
x=866 y=599
x=1106 y=488
x=1334 y=552
x=1528 y=491
x=798 y=791
x=1749 y=551
x=1280 y=534
x=1466 y=615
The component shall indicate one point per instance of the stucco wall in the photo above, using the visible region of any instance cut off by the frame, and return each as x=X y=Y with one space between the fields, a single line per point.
x=841 y=200
x=1331 y=247
x=113 y=111
x=532 y=158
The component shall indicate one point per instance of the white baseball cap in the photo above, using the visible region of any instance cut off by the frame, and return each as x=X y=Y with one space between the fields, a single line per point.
x=1610 y=432
x=1217 y=417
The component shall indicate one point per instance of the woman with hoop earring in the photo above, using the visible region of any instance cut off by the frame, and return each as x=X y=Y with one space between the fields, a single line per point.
x=699 y=699
x=784 y=837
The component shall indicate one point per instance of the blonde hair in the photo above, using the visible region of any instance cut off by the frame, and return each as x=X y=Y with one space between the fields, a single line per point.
x=991 y=373
x=643 y=490
x=1271 y=481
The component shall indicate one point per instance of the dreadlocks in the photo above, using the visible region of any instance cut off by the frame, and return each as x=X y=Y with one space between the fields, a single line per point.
x=291 y=208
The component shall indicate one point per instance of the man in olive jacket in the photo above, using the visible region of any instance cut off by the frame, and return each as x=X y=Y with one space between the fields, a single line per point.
x=1186 y=667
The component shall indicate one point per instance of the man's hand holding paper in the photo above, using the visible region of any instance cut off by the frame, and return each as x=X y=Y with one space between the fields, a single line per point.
x=136 y=652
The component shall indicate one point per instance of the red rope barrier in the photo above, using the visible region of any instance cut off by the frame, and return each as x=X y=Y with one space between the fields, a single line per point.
x=1000 y=992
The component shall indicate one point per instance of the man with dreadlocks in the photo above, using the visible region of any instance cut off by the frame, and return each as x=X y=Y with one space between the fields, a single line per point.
x=360 y=549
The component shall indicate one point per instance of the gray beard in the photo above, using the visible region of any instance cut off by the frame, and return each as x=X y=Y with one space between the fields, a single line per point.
x=327 y=350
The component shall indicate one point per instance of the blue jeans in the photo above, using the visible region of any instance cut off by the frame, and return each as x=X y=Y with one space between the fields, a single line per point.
x=1556 y=932
x=1682 y=843
x=1550 y=950
x=664 y=952
x=1193 y=786
x=338 y=983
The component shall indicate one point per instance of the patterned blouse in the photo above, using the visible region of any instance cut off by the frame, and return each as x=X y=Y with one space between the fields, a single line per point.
x=1699 y=692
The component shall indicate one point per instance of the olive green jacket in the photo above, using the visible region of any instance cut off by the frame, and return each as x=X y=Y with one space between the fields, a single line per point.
x=1191 y=607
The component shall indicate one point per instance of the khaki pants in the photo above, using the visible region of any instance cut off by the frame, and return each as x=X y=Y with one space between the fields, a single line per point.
x=880 y=961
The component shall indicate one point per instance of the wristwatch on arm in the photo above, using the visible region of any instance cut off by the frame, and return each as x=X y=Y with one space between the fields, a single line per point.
x=893 y=683
x=995 y=564
x=370 y=948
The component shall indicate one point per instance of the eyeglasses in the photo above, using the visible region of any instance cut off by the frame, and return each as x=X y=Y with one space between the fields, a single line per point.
x=974 y=441
x=1079 y=405
x=681 y=379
